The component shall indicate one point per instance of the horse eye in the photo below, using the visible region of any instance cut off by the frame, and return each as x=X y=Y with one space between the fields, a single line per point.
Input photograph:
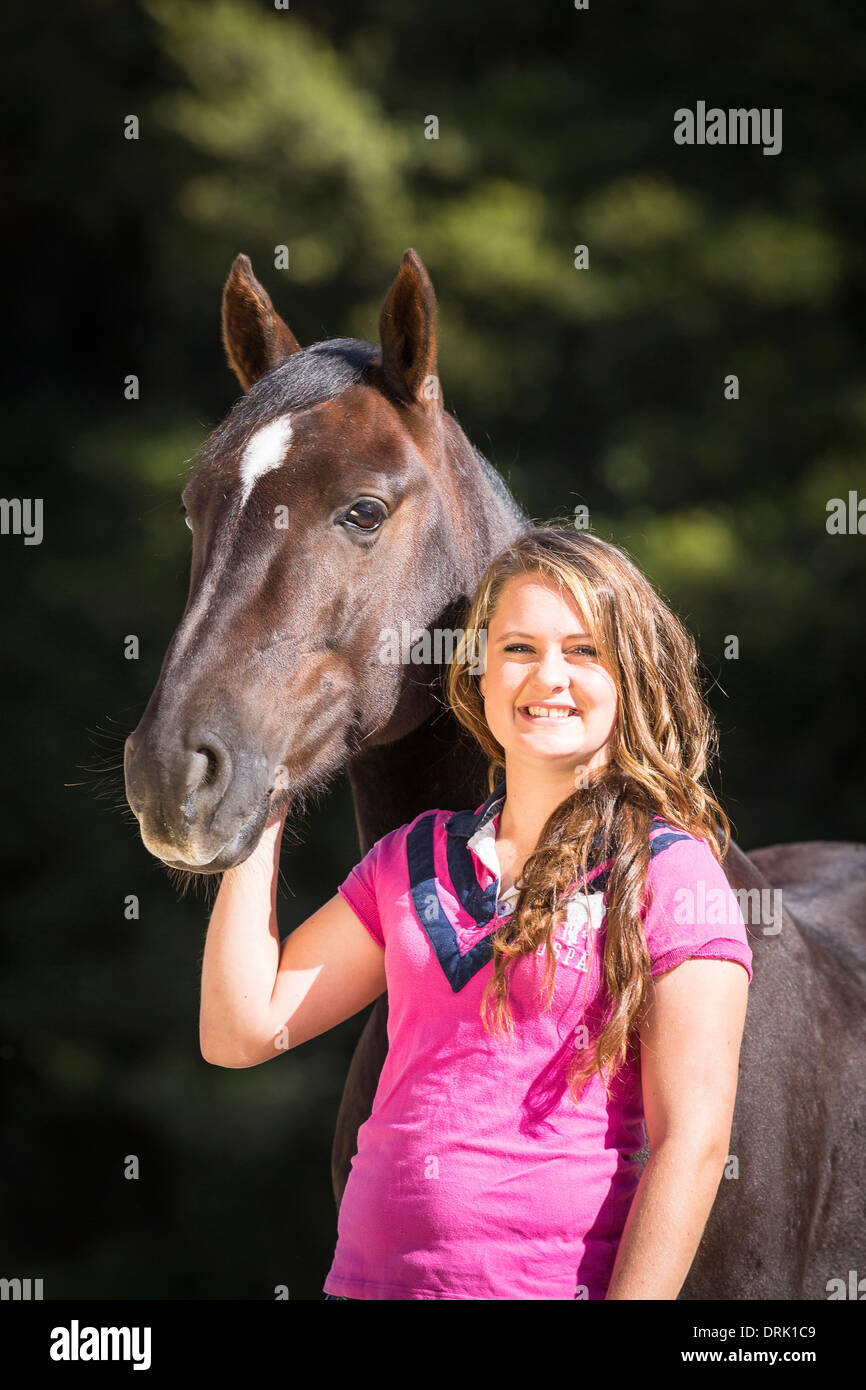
x=182 y=511
x=366 y=516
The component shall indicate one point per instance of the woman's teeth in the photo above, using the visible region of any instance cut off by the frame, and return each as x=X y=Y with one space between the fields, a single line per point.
x=542 y=712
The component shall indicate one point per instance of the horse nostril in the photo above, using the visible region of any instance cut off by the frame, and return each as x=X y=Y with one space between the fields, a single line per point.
x=211 y=768
x=207 y=772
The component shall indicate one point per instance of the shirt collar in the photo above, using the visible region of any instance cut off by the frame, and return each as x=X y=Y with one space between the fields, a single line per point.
x=483 y=844
x=478 y=829
x=463 y=824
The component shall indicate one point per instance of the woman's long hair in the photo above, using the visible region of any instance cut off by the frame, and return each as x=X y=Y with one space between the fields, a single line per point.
x=658 y=751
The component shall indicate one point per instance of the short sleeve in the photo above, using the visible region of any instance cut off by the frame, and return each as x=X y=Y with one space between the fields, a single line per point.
x=362 y=888
x=690 y=909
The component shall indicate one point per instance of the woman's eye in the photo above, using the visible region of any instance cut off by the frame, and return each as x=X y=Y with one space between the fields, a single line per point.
x=521 y=647
x=366 y=515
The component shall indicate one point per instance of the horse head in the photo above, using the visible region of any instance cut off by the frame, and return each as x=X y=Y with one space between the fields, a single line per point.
x=338 y=499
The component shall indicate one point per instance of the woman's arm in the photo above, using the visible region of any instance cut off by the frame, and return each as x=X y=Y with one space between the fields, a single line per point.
x=242 y=949
x=260 y=998
x=690 y=1047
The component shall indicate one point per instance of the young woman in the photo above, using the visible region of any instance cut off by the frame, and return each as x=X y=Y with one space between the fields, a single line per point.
x=564 y=964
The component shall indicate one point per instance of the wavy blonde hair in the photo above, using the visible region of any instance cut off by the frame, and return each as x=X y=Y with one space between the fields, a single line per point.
x=658 y=752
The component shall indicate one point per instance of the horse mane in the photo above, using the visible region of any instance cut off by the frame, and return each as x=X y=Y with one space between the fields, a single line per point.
x=500 y=487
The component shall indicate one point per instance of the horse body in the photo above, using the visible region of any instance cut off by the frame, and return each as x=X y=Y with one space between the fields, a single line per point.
x=339 y=499
x=791 y=1218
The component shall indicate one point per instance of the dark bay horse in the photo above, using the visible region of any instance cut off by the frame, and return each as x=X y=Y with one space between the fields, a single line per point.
x=337 y=500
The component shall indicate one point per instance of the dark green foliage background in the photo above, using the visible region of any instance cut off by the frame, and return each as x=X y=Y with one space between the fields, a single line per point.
x=604 y=387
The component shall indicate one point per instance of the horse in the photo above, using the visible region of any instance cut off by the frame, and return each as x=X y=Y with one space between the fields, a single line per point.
x=339 y=500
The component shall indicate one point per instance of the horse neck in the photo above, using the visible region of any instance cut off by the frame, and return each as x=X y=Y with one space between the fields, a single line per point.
x=439 y=764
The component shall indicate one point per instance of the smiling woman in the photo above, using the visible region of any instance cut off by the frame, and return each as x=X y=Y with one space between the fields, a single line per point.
x=589 y=704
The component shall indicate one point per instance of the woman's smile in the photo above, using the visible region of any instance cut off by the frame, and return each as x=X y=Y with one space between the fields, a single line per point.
x=538 y=714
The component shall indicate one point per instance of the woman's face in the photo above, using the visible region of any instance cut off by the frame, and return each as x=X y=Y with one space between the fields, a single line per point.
x=539 y=652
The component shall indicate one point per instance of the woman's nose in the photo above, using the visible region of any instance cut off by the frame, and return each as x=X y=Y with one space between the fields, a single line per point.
x=553 y=668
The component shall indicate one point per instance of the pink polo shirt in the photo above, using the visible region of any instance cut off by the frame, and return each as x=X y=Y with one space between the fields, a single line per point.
x=476 y=1176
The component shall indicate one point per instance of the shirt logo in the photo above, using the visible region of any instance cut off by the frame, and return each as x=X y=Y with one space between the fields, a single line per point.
x=572 y=936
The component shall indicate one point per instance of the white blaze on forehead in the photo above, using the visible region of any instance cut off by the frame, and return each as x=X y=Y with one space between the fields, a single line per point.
x=266 y=450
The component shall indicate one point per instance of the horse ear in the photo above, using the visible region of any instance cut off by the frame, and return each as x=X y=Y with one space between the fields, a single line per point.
x=407 y=331
x=254 y=336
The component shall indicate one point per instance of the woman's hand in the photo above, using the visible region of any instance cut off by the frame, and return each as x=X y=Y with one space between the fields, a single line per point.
x=277 y=814
x=279 y=805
